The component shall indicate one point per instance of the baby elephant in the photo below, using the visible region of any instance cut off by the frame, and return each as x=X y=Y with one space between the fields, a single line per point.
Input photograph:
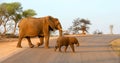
x=65 y=41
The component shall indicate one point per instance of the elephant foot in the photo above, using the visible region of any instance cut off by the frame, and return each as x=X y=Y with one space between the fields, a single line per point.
x=55 y=49
x=31 y=46
x=39 y=44
x=60 y=51
x=18 y=46
x=46 y=47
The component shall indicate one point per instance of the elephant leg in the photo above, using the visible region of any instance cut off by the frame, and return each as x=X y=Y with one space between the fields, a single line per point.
x=41 y=42
x=56 y=48
x=30 y=43
x=72 y=47
x=66 y=48
x=46 y=41
x=60 y=49
x=19 y=42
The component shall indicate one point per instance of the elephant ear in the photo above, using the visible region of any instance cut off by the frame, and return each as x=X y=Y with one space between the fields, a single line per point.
x=49 y=21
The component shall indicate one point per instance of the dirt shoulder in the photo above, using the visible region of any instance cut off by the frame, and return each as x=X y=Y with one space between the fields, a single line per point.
x=116 y=46
x=8 y=46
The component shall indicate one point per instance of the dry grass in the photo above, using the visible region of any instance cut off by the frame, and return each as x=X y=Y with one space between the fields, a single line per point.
x=116 y=46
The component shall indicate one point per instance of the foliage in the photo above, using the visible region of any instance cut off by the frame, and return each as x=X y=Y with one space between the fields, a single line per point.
x=79 y=24
x=13 y=12
x=29 y=13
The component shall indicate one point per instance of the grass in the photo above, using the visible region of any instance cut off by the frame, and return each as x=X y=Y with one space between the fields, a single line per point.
x=116 y=46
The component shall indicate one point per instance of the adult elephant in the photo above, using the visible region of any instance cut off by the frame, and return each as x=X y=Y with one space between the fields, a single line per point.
x=41 y=27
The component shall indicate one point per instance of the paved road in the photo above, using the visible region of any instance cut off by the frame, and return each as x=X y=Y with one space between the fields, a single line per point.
x=93 y=49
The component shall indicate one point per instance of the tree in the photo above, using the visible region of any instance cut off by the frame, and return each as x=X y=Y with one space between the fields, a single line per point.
x=28 y=13
x=79 y=24
x=16 y=13
x=4 y=15
x=13 y=12
x=84 y=26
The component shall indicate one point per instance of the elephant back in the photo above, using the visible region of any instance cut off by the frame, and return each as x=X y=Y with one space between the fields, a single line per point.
x=73 y=40
x=30 y=27
x=63 y=41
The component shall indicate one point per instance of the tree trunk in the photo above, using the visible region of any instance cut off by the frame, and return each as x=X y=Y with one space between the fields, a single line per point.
x=4 y=24
x=5 y=30
x=83 y=32
x=14 y=30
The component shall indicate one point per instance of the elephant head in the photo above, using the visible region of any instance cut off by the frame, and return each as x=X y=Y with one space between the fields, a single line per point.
x=74 y=40
x=77 y=44
x=54 y=24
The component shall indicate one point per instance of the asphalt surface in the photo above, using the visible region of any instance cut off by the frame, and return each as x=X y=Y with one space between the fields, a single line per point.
x=92 y=49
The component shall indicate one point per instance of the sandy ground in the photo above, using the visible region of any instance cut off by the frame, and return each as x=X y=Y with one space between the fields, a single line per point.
x=8 y=46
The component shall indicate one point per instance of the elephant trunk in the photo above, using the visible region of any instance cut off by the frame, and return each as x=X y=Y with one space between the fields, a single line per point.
x=60 y=33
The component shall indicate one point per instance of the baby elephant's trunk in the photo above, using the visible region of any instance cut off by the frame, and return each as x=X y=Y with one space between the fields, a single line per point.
x=77 y=44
